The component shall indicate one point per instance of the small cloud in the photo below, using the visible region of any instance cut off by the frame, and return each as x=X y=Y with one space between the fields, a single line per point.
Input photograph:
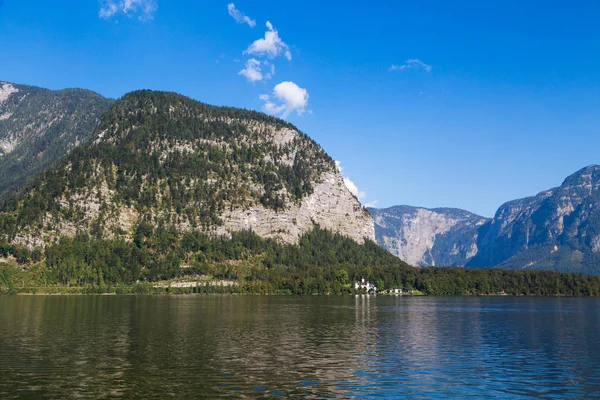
x=221 y=56
x=371 y=204
x=271 y=45
x=354 y=189
x=239 y=16
x=144 y=9
x=413 y=63
x=351 y=186
x=254 y=70
x=287 y=97
x=109 y=9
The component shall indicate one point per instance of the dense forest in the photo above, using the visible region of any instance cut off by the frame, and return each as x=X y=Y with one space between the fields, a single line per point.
x=322 y=262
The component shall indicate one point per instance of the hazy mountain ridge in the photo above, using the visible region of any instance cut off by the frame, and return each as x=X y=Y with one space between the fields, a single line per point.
x=428 y=237
x=164 y=159
x=39 y=126
x=557 y=229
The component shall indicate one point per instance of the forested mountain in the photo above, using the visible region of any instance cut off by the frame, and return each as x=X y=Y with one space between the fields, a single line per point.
x=428 y=237
x=169 y=187
x=558 y=229
x=162 y=159
x=40 y=126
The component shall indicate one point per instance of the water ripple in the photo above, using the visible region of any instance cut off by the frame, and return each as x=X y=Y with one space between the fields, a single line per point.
x=316 y=347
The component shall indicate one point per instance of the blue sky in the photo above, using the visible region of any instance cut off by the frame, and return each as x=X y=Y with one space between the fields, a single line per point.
x=486 y=102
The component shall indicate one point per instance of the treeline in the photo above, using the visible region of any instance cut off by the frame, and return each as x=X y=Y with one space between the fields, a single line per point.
x=322 y=262
x=21 y=254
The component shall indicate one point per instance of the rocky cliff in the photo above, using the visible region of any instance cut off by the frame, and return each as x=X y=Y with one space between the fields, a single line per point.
x=557 y=229
x=40 y=126
x=166 y=160
x=428 y=237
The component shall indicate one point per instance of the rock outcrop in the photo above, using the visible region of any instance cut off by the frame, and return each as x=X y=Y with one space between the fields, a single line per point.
x=557 y=229
x=331 y=206
x=428 y=237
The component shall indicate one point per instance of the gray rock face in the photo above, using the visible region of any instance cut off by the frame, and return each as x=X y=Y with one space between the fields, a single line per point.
x=557 y=229
x=331 y=206
x=39 y=126
x=428 y=237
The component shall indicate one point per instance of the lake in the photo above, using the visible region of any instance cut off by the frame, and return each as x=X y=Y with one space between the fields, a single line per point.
x=56 y=347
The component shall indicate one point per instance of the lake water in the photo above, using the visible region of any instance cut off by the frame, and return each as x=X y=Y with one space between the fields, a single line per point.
x=160 y=347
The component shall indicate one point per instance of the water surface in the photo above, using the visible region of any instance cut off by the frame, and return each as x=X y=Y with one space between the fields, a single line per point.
x=159 y=347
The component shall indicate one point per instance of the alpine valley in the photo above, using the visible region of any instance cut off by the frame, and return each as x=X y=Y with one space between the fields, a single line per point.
x=156 y=191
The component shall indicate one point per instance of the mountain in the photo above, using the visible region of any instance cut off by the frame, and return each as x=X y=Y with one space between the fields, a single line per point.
x=167 y=187
x=428 y=237
x=39 y=126
x=558 y=229
x=162 y=159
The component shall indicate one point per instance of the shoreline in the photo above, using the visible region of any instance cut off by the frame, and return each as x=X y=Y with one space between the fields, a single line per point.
x=86 y=291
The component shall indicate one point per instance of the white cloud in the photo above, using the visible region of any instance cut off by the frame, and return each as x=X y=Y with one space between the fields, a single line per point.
x=108 y=10
x=353 y=188
x=412 y=63
x=349 y=184
x=254 y=70
x=371 y=204
x=271 y=45
x=287 y=97
x=144 y=9
x=239 y=16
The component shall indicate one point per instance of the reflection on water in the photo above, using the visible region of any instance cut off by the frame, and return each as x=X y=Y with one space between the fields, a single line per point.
x=313 y=347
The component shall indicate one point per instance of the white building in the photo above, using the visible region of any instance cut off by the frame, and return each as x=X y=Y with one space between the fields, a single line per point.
x=366 y=286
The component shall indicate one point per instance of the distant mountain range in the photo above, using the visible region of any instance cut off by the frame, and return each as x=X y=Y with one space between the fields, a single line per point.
x=39 y=126
x=558 y=229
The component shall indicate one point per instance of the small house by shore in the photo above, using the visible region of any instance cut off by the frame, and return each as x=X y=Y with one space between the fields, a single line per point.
x=366 y=286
